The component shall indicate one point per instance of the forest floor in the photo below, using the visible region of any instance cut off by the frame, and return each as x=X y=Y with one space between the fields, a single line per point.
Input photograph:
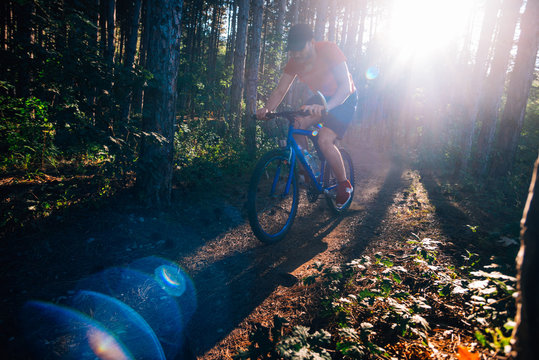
x=407 y=232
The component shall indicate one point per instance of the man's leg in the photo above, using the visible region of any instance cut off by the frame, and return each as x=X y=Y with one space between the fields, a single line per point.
x=326 y=141
x=303 y=123
x=333 y=156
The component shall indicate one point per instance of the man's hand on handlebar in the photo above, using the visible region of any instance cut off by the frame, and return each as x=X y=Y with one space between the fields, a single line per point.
x=265 y=114
x=314 y=109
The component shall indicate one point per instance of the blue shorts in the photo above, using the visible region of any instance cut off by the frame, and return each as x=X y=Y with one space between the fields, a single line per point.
x=339 y=118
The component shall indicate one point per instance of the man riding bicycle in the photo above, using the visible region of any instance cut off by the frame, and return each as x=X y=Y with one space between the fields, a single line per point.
x=322 y=67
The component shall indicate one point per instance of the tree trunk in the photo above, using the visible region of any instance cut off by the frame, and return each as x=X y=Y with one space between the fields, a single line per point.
x=251 y=77
x=362 y=17
x=353 y=29
x=294 y=11
x=279 y=29
x=102 y=22
x=344 y=30
x=231 y=35
x=130 y=54
x=526 y=332
x=23 y=14
x=239 y=68
x=333 y=11
x=478 y=80
x=133 y=34
x=321 y=20
x=517 y=95
x=495 y=83
x=214 y=41
x=111 y=19
x=154 y=175
x=136 y=106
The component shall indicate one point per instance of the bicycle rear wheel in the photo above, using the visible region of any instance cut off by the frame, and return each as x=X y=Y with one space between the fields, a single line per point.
x=330 y=183
x=271 y=209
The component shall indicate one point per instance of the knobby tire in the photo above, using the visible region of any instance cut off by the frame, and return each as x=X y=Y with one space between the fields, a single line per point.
x=271 y=213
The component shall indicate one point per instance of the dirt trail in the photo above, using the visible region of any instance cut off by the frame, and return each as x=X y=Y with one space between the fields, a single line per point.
x=239 y=281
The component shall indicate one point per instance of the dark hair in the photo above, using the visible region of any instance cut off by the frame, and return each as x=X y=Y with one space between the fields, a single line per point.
x=298 y=36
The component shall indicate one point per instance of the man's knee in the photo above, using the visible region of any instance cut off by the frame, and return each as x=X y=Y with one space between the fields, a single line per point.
x=326 y=139
x=305 y=121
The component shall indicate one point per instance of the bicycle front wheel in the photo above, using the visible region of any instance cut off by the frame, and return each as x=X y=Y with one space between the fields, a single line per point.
x=330 y=183
x=271 y=206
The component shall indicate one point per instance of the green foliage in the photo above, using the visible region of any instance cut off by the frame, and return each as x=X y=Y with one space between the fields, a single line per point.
x=26 y=132
x=298 y=344
x=204 y=155
x=301 y=344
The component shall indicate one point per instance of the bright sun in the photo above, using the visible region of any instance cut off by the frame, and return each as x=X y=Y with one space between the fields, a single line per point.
x=419 y=27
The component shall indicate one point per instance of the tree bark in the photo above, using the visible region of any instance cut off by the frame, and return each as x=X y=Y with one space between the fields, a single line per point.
x=478 y=80
x=495 y=83
x=526 y=332
x=332 y=20
x=111 y=19
x=251 y=78
x=231 y=35
x=362 y=17
x=520 y=83
x=279 y=28
x=23 y=14
x=321 y=20
x=133 y=34
x=239 y=67
x=130 y=54
x=344 y=30
x=136 y=106
x=213 y=45
x=294 y=11
x=155 y=165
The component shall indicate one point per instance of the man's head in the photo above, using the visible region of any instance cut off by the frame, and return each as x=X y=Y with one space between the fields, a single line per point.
x=301 y=43
x=298 y=36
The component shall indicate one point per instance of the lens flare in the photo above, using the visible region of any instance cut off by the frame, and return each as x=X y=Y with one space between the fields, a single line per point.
x=174 y=280
x=171 y=280
x=124 y=322
x=142 y=293
x=372 y=73
x=57 y=332
x=104 y=346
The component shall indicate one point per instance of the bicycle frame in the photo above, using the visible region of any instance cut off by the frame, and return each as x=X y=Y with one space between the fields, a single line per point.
x=295 y=152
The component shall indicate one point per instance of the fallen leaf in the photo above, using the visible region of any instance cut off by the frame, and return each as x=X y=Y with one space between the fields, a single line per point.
x=464 y=354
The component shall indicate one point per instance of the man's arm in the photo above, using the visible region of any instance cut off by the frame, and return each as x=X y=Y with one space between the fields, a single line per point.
x=344 y=89
x=344 y=85
x=277 y=95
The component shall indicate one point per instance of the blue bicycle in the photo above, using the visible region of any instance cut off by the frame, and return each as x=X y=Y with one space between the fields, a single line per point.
x=273 y=195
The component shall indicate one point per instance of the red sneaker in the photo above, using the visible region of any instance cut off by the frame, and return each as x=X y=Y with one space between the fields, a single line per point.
x=344 y=189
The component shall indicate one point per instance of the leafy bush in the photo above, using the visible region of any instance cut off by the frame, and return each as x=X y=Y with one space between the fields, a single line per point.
x=26 y=134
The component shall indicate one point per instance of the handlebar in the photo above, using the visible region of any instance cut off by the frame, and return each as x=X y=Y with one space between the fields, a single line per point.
x=287 y=114
x=290 y=115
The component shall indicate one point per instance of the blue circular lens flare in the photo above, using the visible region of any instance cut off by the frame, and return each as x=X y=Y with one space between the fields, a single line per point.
x=142 y=293
x=372 y=73
x=58 y=332
x=171 y=279
x=129 y=327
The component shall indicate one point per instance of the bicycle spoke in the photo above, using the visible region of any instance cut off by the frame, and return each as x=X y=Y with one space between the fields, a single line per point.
x=271 y=206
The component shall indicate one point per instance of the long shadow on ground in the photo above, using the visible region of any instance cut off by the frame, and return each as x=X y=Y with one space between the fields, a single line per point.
x=375 y=212
x=230 y=289
x=457 y=220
